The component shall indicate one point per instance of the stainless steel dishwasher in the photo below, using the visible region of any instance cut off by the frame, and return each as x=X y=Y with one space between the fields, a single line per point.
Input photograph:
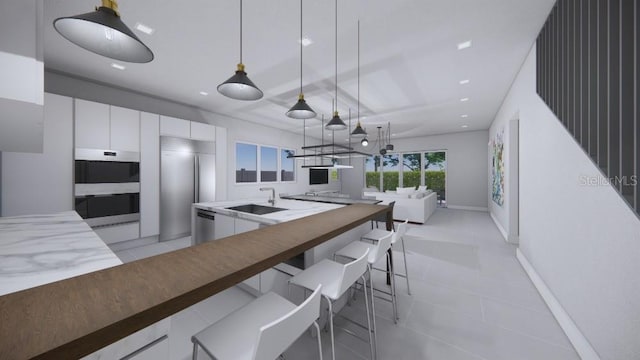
x=205 y=226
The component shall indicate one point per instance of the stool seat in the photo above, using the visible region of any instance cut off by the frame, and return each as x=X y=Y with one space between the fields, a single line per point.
x=236 y=335
x=326 y=272
x=357 y=248
x=376 y=235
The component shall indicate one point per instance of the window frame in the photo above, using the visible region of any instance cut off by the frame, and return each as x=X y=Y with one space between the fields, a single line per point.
x=279 y=150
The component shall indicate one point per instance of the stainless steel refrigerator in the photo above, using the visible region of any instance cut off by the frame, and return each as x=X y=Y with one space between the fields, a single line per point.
x=187 y=175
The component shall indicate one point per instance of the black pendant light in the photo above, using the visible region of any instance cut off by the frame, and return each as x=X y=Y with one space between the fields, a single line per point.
x=389 y=144
x=239 y=86
x=364 y=142
x=336 y=123
x=103 y=33
x=359 y=131
x=301 y=110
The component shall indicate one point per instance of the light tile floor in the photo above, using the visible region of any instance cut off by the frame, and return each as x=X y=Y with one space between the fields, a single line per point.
x=471 y=299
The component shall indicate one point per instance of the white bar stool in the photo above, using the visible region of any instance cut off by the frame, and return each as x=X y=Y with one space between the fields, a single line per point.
x=376 y=234
x=336 y=279
x=376 y=252
x=260 y=330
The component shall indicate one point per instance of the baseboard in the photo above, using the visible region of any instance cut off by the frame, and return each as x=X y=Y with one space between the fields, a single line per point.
x=577 y=339
x=472 y=208
x=499 y=226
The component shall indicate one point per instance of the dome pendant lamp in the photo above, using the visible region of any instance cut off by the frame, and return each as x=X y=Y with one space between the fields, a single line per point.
x=336 y=123
x=103 y=32
x=239 y=86
x=301 y=110
x=359 y=131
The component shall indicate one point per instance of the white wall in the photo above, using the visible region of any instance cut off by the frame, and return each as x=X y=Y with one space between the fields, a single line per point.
x=583 y=241
x=237 y=130
x=244 y=131
x=466 y=164
x=42 y=183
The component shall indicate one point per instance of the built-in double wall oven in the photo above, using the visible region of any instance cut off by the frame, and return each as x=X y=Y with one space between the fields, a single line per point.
x=107 y=186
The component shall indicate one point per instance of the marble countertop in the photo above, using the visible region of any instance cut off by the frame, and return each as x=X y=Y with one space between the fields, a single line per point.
x=40 y=249
x=295 y=209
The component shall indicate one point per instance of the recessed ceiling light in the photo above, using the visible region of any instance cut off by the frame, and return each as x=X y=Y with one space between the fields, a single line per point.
x=463 y=82
x=118 y=66
x=464 y=45
x=465 y=126
x=305 y=41
x=464 y=116
x=464 y=99
x=144 y=28
x=204 y=93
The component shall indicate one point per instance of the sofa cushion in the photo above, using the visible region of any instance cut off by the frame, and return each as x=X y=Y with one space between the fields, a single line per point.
x=405 y=190
x=422 y=188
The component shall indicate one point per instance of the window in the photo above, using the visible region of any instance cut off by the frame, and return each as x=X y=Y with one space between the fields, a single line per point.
x=268 y=164
x=246 y=163
x=287 y=165
x=408 y=169
x=435 y=166
x=372 y=171
x=411 y=169
x=262 y=164
x=390 y=178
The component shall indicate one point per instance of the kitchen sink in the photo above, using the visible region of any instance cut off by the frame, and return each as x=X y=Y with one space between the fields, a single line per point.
x=256 y=209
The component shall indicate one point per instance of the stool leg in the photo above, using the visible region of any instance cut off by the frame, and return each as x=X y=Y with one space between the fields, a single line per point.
x=406 y=269
x=333 y=346
x=373 y=305
x=366 y=302
x=194 y=356
x=393 y=291
x=315 y=323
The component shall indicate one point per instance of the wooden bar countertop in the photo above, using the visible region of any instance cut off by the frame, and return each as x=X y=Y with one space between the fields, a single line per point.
x=72 y=318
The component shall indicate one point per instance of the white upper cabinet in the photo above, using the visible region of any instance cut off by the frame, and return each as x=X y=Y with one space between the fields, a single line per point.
x=125 y=129
x=102 y=126
x=170 y=126
x=200 y=131
x=92 y=125
x=175 y=127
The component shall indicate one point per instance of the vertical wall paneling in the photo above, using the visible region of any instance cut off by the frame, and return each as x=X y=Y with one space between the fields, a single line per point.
x=552 y=59
x=561 y=60
x=603 y=89
x=584 y=74
x=593 y=79
x=570 y=62
x=637 y=100
x=614 y=90
x=576 y=69
x=627 y=166
x=587 y=74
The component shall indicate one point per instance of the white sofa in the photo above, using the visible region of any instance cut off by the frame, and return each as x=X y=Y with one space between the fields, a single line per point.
x=417 y=206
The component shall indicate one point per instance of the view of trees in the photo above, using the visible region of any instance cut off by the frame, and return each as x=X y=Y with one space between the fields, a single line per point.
x=411 y=168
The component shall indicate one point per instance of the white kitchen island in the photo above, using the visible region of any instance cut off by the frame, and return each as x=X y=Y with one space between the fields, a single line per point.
x=41 y=249
x=228 y=222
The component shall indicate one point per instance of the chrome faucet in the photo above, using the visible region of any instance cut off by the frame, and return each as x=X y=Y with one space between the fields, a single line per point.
x=272 y=199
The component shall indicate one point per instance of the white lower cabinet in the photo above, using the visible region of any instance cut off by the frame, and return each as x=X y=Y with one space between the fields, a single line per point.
x=116 y=233
x=150 y=343
x=223 y=226
x=275 y=281
x=154 y=351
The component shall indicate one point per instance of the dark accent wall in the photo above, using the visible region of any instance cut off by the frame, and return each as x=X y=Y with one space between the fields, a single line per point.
x=587 y=73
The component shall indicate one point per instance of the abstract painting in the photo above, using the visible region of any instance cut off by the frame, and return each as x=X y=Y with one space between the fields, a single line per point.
x=497 y=168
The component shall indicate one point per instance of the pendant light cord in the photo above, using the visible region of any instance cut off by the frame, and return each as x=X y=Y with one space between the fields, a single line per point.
x=300 y=46
x=336 y=108
x=358 y=71
x=240 y=31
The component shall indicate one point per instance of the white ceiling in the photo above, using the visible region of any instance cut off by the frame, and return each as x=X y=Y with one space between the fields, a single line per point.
x=410 y=65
